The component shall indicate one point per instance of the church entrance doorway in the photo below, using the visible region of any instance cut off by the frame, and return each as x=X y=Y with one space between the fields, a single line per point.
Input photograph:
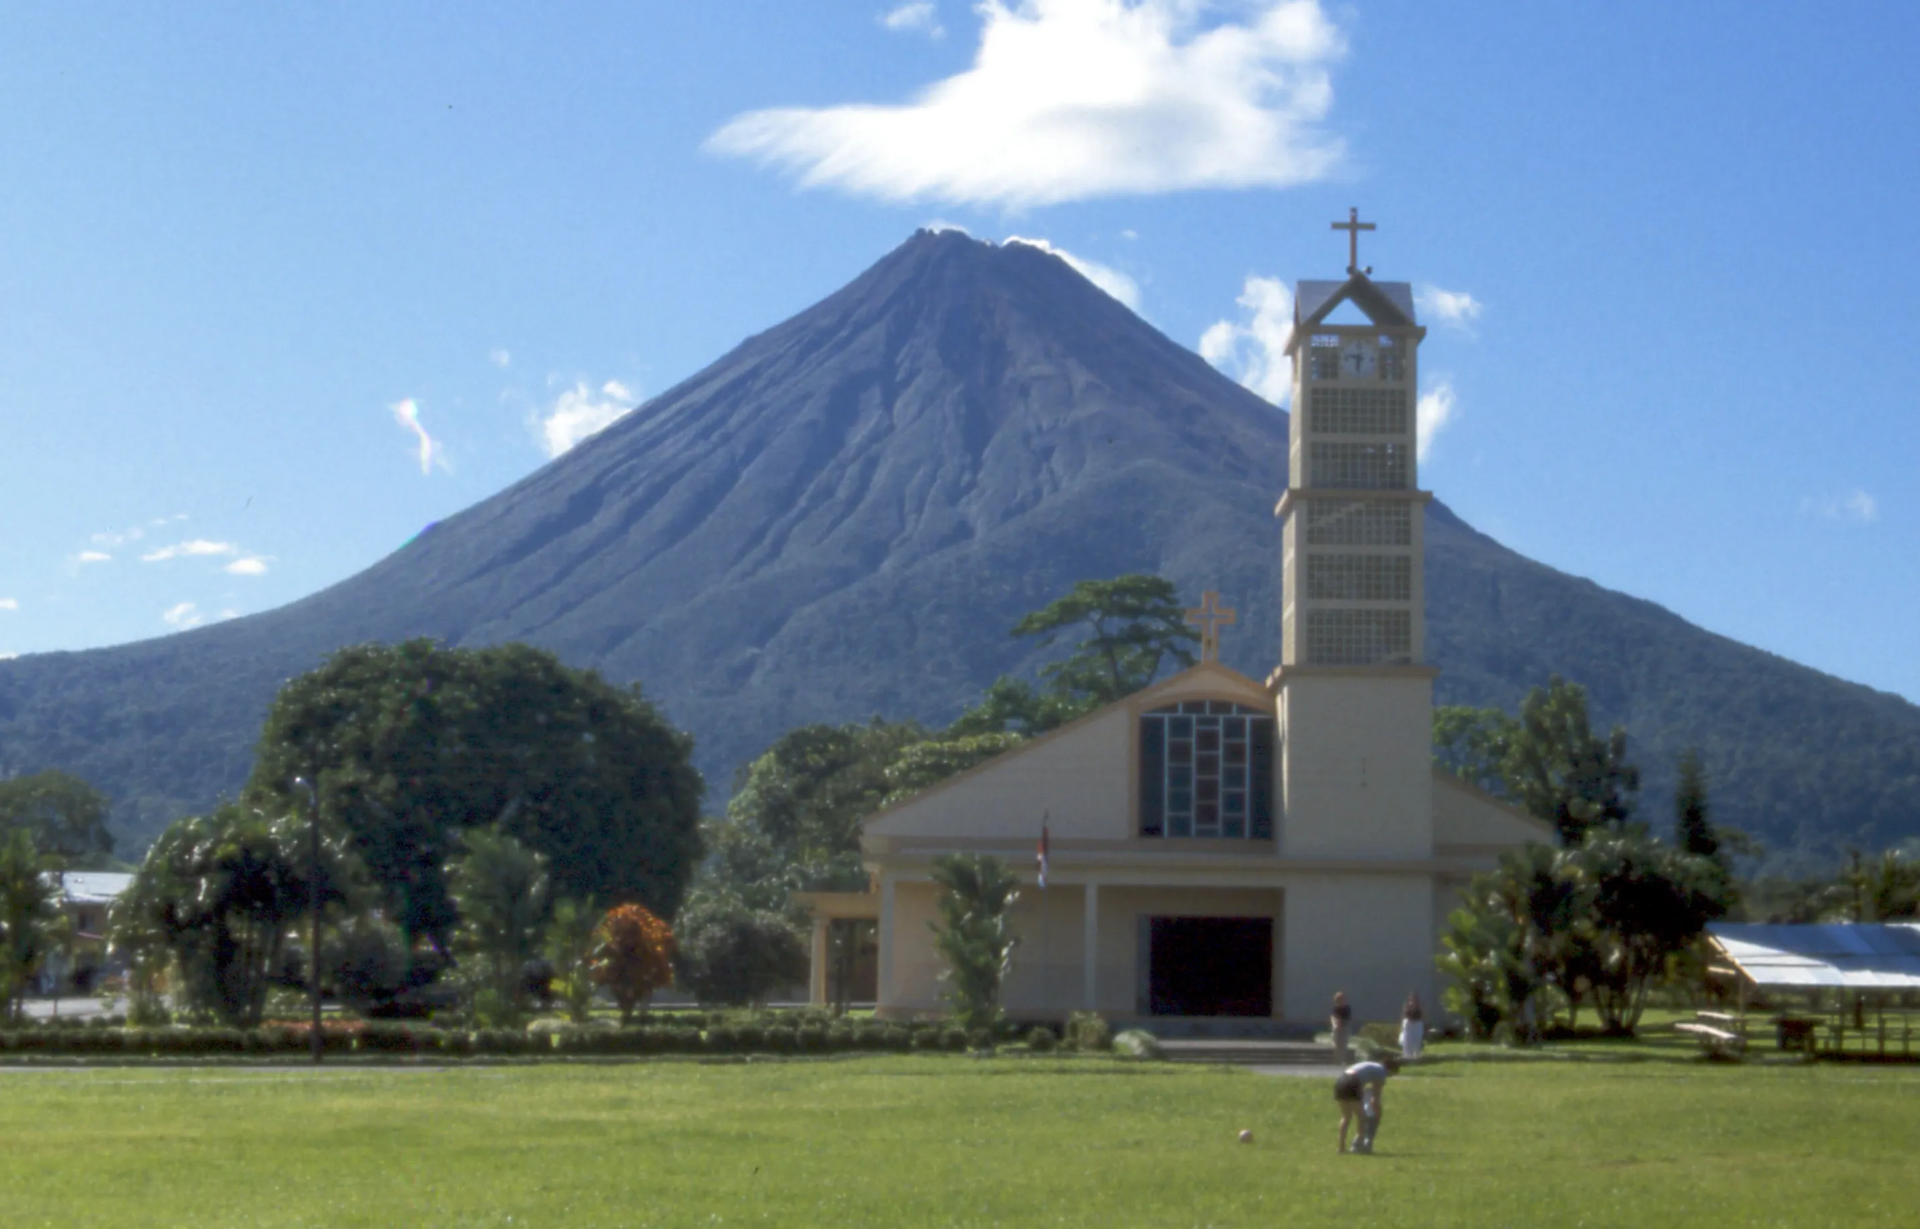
x=1210 y=966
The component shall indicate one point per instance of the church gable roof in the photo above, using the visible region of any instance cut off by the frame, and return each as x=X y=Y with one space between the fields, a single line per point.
x=1079 y=775
x=1466 y=817
x=1385 y=303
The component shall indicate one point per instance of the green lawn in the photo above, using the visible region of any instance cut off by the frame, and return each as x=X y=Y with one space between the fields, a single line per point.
x=939 y=1140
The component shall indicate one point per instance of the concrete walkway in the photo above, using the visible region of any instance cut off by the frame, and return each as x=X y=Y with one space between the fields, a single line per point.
x=70 y=1009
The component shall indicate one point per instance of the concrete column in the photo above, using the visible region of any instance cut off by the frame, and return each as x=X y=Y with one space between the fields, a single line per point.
x=1090 y=972
x=885 y=988
x=817 y=989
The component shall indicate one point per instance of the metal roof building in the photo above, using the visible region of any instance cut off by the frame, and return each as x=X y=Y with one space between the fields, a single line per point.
x=1859 y=956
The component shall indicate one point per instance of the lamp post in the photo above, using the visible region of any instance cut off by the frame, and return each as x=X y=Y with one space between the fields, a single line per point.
x=313 y=907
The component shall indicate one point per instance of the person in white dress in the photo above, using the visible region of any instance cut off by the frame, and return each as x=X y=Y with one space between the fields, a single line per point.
x=1413 y=1028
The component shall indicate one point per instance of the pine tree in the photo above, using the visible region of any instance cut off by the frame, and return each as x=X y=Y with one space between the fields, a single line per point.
x=1693 y=824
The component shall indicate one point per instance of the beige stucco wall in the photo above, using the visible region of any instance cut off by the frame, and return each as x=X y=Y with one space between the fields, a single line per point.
x=1356 y=757
x=1369 y=935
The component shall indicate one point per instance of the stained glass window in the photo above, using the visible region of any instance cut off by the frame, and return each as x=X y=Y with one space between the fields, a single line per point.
x=1206 y=770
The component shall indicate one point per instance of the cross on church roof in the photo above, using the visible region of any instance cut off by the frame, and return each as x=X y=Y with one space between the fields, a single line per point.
x=1210 y=616
x=1353 y=226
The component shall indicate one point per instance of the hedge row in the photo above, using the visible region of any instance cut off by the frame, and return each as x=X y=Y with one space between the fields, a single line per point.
x=427 y=1040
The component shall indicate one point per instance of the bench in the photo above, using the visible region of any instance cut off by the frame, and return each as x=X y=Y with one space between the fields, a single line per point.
x=1714 y=1039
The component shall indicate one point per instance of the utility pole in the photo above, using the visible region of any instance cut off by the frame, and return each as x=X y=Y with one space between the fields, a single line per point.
x=313 y=907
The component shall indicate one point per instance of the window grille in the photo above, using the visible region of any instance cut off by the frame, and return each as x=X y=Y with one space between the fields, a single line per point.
x=1359 y=522
x=1324 y=355
x=1206 y=770
x=1359 y=637
x=1357 y=411
x=1393 y=359
x=1368 y=467
x=1359 y=578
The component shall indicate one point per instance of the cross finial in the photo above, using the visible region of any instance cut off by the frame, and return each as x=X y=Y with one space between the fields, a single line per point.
x=1210 y=616
x=1353 y=226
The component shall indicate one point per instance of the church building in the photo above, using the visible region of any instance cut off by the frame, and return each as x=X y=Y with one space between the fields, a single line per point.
x=1220 y=846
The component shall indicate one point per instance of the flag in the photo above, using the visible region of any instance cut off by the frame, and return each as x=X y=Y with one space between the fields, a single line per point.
x=1043 y=853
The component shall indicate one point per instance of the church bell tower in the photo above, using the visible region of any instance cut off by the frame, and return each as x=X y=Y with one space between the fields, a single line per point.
x=1355 y=695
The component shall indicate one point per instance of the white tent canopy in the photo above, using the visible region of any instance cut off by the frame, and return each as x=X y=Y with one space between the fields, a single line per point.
x=1852 y=956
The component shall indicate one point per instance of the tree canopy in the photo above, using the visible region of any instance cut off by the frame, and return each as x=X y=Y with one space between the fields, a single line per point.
x=1548 y=761
x=1133 y=625
x=413 y=744
x=66 y=817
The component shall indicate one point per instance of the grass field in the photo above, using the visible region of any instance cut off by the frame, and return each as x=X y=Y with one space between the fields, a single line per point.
x=949 y=1140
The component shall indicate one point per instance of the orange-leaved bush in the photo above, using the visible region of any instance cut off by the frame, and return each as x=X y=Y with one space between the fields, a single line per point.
x=632 y=956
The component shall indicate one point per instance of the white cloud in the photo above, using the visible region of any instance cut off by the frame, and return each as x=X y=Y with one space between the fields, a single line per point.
x=8 y=656
x=917 y=18
x=1254 y=352
x=251 y=565
x=580 y=412
x=1109 y=279
x=9 y=603
x=940 y=226
x=119 y=539
x=502 y=359
x=1074 y=99
x=93 y=556
x=198 y=546
x=229 y=613
x=1856 y=505
x=407 y=413
x=1455 y=309
x=1433 y=412
x=183 y=616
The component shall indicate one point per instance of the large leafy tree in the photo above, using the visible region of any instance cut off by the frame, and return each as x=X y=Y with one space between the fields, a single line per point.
x=801 y=802
x=413 y=744
x=1131 y=626
x=31 y=921
x=220 y=894
x=1650 y=901
x=1548 y=761
x=974 y=935
x=66 y=817
x=1549 y=928
x=734 y=955
x=1561 y=771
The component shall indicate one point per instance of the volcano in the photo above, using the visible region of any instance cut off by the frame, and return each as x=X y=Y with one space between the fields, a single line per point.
x=844 y=516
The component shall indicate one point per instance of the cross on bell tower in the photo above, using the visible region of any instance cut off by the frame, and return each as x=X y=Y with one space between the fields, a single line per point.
x=1353 y=226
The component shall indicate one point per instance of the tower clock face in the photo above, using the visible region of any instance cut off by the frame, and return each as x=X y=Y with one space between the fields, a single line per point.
x=1359 y=359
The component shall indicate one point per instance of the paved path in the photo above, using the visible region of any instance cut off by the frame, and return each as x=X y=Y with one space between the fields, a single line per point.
x=1319 y=1071
x=69 y=1009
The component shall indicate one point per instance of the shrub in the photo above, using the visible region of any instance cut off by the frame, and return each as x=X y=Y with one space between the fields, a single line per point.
x=1040 y=1039
x=1088 y=1032
x=1139 y=1045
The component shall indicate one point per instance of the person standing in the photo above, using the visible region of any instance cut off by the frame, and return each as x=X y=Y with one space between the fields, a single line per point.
x=1342 y=1023
x=1358 y=1091
x=1413 y=1027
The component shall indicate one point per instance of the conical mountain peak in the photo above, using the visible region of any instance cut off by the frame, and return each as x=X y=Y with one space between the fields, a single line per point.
x=845 y=514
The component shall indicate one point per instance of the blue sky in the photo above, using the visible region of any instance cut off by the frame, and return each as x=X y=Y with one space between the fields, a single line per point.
x=279 y=285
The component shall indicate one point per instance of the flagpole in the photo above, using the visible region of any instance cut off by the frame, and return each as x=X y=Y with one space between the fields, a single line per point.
x=1046 y=925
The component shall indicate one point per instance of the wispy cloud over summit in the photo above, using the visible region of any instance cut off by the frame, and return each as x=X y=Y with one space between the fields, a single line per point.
x=919 y=17
x=1075 y=99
